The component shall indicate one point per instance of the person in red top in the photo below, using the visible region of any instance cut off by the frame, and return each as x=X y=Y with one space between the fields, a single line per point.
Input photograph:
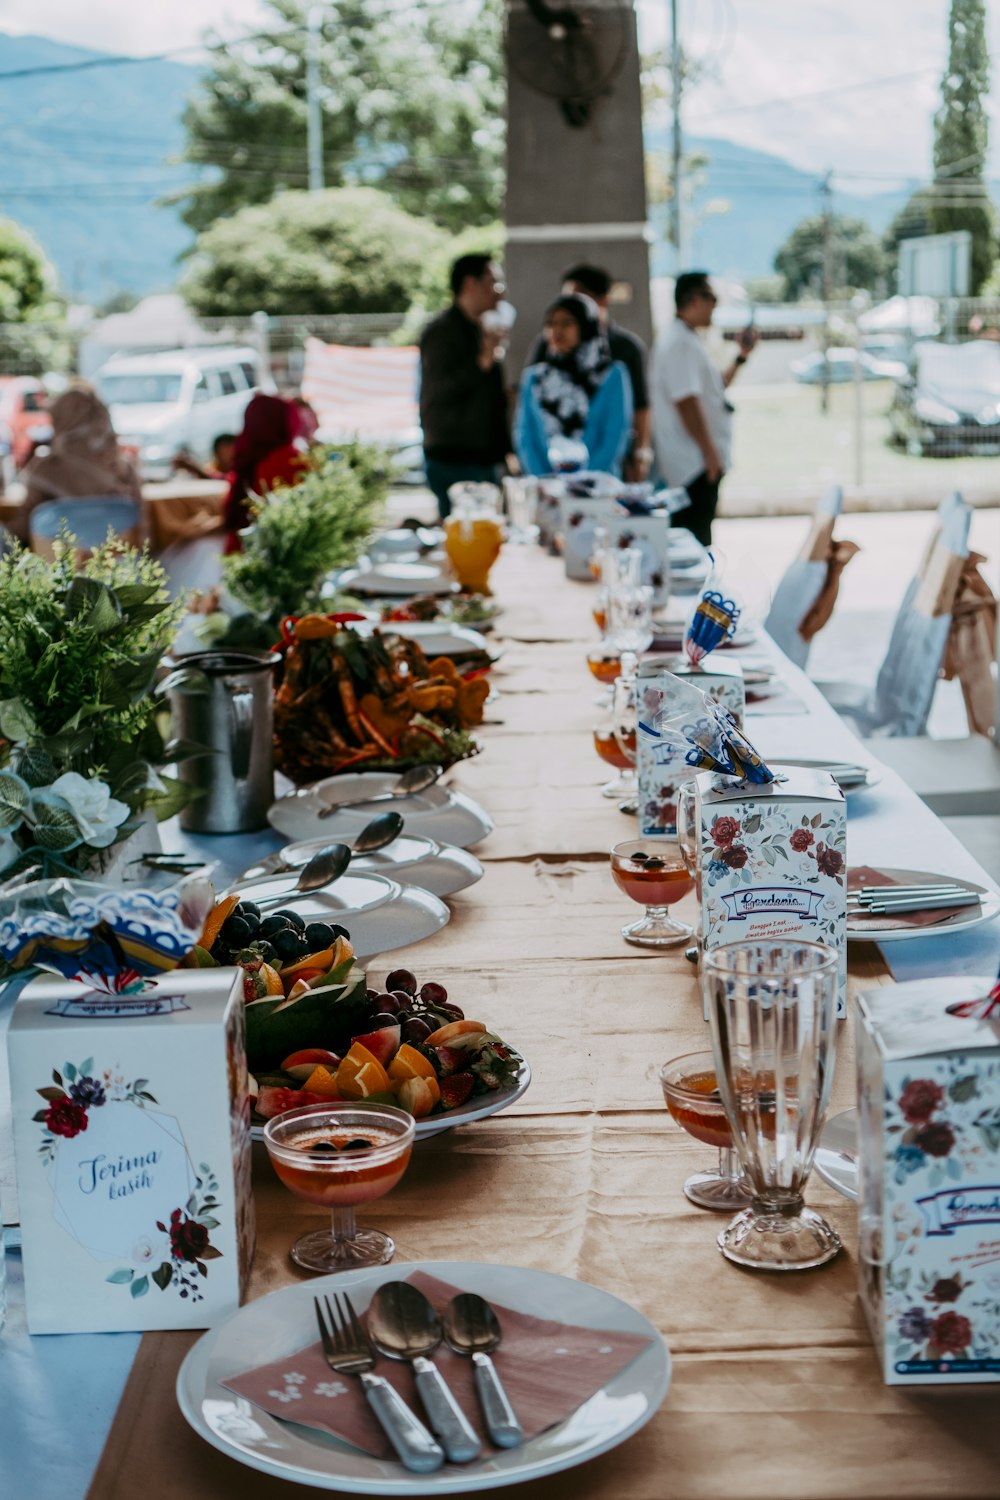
x=266 y=457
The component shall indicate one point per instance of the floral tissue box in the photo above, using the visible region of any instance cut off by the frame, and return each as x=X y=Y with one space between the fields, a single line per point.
x=660 y=781
x=132 y=1150
x=929 y=1181
x=772 y=862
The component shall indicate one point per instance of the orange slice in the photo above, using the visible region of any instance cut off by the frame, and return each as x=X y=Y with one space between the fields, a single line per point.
x=322 y=1081
x=361 y=1074
x=220 y=912
x=409 y=1063
x=330 y=958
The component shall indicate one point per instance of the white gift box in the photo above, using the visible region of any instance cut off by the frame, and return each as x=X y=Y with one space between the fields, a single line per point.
x=929 y=1182
x=772 y=862
x=660 y=779
x=578 y=523
x=132 y=1145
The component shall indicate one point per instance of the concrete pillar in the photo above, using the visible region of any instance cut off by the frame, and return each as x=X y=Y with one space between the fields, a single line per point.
x=573 y=193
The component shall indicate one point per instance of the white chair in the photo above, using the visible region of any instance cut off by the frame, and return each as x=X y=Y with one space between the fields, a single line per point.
x=803 y=581
x=901 y=700
x=88 y=520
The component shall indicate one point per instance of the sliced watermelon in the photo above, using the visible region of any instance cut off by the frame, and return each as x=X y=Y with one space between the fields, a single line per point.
x=300 y=1064
x=325 y=1017
x=271 y=1101
x=383 y=1044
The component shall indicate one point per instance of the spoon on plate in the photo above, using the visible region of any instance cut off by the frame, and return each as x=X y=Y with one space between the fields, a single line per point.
x=416 y=779
x=472 y=1327
x=403 y=1325
x=325 y=866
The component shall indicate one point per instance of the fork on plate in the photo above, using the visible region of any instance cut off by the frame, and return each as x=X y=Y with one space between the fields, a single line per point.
x=348 y=1351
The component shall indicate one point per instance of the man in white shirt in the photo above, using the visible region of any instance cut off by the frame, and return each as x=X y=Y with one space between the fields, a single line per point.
x=692 y=419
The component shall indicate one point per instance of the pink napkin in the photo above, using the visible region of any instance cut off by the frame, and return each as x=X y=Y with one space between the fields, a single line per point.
x=548 y=1370
x=866 y=875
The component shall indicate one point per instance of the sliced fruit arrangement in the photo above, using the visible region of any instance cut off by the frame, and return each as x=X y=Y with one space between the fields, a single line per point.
x=407 y=1045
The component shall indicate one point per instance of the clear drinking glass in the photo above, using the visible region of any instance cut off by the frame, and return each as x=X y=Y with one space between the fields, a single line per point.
x=652 y=872
x=340 y=1155
x=772 y=1007
x=630 y=618
x=521 y=498
x=621 y=567
x=693 y=1099
x=623 y=713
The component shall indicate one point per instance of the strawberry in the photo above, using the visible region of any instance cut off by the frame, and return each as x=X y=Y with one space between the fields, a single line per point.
x=450 y=1059
x=495 y=1065
x=456 y=1089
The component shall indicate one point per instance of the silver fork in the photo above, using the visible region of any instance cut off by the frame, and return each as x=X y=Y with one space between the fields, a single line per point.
x=348 y=1351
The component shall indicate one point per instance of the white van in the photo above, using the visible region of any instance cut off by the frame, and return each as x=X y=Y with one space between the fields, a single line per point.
x=184 y=399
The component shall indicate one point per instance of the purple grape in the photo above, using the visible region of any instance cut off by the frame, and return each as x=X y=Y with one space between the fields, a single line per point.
x=383 y=1019
x=403 y=1000
x=415 y=1030
x=391 y=1003
x=433 y=993
x=372 y=994
x=402 y=979
x=453 y=1012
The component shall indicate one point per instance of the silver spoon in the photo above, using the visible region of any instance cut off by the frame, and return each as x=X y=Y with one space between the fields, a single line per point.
x=326 y=866
x=471 y=1327
x=404 y=1325
x=416 y=779
x=379 y=832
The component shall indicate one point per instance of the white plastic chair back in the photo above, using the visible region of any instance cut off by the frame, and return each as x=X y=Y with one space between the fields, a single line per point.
x=803 y=581
x=908 y=675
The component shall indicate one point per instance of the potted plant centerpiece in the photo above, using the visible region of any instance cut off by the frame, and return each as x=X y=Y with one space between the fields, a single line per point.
x=80 y=750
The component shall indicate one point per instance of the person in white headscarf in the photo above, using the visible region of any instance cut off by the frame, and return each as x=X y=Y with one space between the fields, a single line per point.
x=576 y=393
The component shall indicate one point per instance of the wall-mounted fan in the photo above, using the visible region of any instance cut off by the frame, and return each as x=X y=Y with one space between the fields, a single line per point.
x=560 y=56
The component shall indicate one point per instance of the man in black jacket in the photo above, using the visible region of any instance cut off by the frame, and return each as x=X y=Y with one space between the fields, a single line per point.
x=463 y=405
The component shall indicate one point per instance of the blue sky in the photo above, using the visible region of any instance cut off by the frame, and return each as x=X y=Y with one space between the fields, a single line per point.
x=850 y=85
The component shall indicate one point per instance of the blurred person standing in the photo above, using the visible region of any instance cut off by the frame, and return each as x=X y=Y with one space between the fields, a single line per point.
x=82 y=460
x=266 y=456
x=692 y=419
x=463 y=404
x=627 y=349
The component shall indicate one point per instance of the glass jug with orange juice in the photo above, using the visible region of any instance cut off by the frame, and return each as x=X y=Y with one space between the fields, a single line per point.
x=473 y=534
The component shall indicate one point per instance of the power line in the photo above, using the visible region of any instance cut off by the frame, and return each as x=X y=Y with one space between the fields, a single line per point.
x=843 y=88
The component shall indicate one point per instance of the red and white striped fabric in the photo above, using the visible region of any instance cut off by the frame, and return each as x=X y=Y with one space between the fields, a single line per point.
x=362 y=392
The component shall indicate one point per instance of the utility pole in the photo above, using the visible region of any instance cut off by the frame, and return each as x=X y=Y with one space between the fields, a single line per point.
x=314 y=117
x=676 y=85
x=826 y=192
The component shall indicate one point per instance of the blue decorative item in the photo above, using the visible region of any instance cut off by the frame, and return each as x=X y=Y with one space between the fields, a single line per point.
x=714 y=620
x=707 y=735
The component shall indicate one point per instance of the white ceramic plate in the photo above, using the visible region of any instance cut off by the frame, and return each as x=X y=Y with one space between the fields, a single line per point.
x=379 y=913
x=285 y=1321
x=963 y=919
x=348 y=896
x=410 y=860
x=398 y=579
x=414 y=915
x=478 y=1108
x=440 y=637
x=848 y=785
x=449 y=817
x=836 y=1158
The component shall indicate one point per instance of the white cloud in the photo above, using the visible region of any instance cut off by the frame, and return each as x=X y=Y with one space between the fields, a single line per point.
x=127 y=26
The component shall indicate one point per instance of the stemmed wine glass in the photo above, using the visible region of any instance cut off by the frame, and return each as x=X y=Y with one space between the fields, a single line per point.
x=623 y=712
x=652 y=872
x=772 y=1008
x=340 y=1155
x=630 y=618
x=693 y=1099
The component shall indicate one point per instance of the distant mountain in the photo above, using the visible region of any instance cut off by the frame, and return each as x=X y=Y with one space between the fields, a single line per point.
x=85 y=167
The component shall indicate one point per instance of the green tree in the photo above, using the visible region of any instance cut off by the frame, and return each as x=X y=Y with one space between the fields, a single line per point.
x=27 y=284
x=412 y=102
x=857 y=257
x=958 y=196
x=345 y=250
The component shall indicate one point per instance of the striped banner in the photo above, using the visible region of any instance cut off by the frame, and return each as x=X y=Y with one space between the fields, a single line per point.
x=363 y=392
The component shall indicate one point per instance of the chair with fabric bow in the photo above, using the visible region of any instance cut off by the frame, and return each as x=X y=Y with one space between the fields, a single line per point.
x=804 y=599
x=88 y=519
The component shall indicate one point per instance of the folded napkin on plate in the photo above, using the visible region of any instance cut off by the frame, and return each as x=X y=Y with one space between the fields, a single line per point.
x=548 y=1370
x=863 y=875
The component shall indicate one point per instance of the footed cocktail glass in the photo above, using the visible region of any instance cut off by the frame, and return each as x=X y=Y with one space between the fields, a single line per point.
x=653 y=873
x=693 y=1099
x=340 y=1155
x=772 y=1010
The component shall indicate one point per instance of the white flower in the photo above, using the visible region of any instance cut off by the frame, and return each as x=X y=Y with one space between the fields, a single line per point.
x=96 y=811
x=149 y=1250
x=329 y=1388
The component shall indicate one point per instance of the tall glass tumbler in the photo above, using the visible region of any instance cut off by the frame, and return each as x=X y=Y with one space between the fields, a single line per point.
x=772 y=1008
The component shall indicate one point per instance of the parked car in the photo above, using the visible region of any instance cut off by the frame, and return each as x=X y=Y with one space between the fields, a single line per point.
x=951 y=403
x=24 y=418
x=808 y=368
x=162 y=404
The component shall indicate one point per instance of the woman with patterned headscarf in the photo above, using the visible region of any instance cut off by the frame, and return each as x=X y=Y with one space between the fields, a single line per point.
x=576 y=393
x=83 y=460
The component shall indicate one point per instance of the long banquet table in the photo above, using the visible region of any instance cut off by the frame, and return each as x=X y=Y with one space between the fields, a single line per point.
x=775 y=1391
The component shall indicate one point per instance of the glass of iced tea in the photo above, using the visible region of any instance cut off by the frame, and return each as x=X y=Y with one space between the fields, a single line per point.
x=692 y=1096
x=625 y=717
x=652 y=871
x=606 y=744
x=605 y=663
x=340 y=1155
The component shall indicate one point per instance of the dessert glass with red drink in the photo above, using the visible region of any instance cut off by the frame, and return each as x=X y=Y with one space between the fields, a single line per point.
x=607 y=746
x=605 y=664
x=692 y=1096
x=652 y=871
x=339 y=1155
x=625 y=717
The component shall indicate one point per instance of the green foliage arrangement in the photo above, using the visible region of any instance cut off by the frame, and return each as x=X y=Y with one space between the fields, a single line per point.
x=79 y=651
x=301 y=534
x=346 y=250
x=958 y=198
x=858 y=257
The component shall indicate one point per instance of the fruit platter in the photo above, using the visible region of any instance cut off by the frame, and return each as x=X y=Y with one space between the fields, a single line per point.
x=349 y=701
x=316 y=1030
